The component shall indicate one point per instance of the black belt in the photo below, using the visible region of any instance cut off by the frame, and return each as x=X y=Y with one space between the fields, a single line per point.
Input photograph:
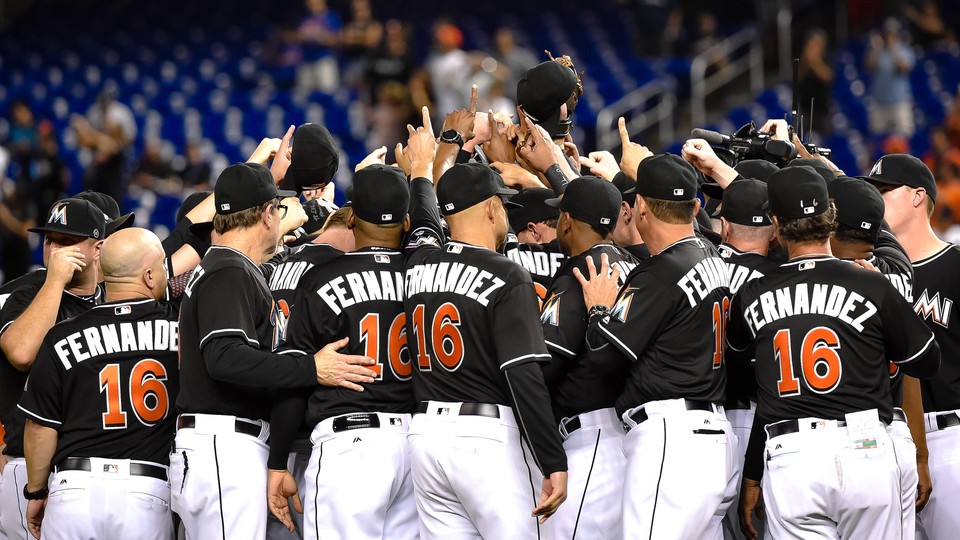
x=641 y=415
x=787 y=427
x=355 y=421
x=736 y=403
x=947 y=420
x=189 y=421
x=573 y=425
x=136 y=469
x=489 y=410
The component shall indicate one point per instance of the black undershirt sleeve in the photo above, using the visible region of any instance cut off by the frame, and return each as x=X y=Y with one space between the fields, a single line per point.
x=531 y=403
x=285 y=419
x=558 y=181
x=753 y=458
x=232 y=360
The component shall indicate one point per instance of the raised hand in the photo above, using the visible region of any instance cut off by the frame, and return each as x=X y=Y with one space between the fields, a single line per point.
x=499 y=148
x=515 y=176
x=377 y=156
x=633 y=153
x=601 y=164
x=281 y=161
x=462 y=120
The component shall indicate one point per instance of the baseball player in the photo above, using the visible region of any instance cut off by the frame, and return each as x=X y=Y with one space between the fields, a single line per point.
x=228 y=370
x=73 y=233
x=666 y=324
x=747 y=232
x=473 y=331
x=108 y=452
x=822 y=332
x=625 y=234
x=535 y=244
x=583 y=393
x=909 y=192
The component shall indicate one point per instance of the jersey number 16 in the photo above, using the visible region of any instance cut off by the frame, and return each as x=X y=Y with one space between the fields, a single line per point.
x=148 y=393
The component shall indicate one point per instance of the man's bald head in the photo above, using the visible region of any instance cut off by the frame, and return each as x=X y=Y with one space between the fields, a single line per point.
x=133 y=258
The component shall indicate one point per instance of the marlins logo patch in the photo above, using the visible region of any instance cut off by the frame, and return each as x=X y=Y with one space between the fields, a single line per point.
x=622 y=308
x=550 y=314
x=58 y=214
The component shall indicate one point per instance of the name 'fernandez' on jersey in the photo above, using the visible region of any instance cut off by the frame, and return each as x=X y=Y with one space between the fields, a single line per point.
x=935 y=292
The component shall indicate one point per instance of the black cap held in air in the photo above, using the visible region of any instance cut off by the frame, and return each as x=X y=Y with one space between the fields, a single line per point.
x=904 y=170
x=467 y=184
x=381 y=194
x=314 y=160
x=744 y=201
x=542 y=90
x=666 y=177
x=245 y=185
x=591 y=200
x=797 y=192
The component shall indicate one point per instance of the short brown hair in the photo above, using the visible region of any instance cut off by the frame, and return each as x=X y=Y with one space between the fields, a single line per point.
x=672 y=212
x=337 y=220
x=931 y=204
x=814 y=229
x=243 y=219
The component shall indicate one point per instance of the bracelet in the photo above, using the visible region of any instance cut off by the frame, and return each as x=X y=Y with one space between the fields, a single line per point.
x=37 y=495
x=598 y=310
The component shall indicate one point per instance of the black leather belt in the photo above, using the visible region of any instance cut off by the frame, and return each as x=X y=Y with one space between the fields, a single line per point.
x=736 y=403
x=899 y=415
x=787 y=427
x=947 y=420
x=136 y=469
x=641 y=415
x=355 y=421
x=189 y=421
x=489 y=410
x=572 y=425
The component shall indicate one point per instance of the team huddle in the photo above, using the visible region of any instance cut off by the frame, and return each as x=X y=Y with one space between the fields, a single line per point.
x=597 y=355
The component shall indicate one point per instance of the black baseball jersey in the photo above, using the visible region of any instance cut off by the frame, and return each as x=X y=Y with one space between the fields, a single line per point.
x=36 y=277
x=543 y=261
x=285 y=278
x=107 y=381
x=576 y=385
x=359 y=295
x=935 y=289
x=228 y=325
x=669 y=320
x=11 y=379
x=822 y=331
x=640 y=252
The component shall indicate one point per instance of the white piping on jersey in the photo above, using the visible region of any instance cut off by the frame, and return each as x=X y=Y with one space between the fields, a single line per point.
x=37 y=416
x=729 y=346
x=242 y=254
x=88 y=297
x=559 y=348
x=914 y=357
x=293 y=351
x=623 y=346
x=115 y=303
x=739 y=252
x=4 y=327
x=222 y=330
x=524 y=357
x=821 y=258
x=375 y=252
x=933 y=257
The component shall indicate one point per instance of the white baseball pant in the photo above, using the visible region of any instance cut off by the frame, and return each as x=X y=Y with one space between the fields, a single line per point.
x=941 y=517
x=682 y=471
x=13 y=507
x=218 y=479
x=358 y=483
x=471 y=476
x=818 y=484
x=741 y=421
x=107 y=502
x=595 y=479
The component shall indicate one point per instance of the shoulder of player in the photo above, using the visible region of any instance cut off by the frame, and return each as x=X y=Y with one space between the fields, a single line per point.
x=314 y=253
x=947 y=256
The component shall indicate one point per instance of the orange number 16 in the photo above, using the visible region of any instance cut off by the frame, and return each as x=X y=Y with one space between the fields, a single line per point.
x=148 y=394
x=819 y=361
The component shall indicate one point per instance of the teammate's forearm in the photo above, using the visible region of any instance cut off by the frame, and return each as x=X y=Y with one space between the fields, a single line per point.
x=532 y=407
x=446 y=158
x=925 y=365
x=285 y=419
x=753 y=458
x=233 y=361
x=39 y=445
x=21 y=340
x=913 y=408
x=424 y=214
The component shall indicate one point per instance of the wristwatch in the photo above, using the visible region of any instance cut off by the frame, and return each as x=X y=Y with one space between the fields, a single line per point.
x=38 y=495
x=452 y=136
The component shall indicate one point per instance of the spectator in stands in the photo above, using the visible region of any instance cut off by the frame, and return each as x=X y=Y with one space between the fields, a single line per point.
x=16 y=217
x=448 y=69
x=108 y=130
x=393 y=62
x=50 y=177
x=659 y=26
x=389 y=116
x=23 y=139
x=953 y=122
x=515 y=60
x=195 y=173
x=154 y=172
x=816 y=80
x=318 y=35
x=927 y=25
x=890 y=60
x=359 y=40
x=708 y=36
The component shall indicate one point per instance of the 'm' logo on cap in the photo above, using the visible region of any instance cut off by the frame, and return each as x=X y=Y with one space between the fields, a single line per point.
x=225 y=206
x=448 y=206
x=678 y=191
x=877 y=169
x=386 y=217
x=865 y=225
x=604 y=221
x=58 y=214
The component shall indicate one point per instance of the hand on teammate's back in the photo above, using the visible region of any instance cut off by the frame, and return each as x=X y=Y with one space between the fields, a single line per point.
x=280 y=487
x=600 y=288
x=343 y=370
x=552 y=496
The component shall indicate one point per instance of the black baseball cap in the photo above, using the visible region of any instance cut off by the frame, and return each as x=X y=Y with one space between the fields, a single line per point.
x=903 y=170
x=314 y=159
x=111 y=210
x=541 y=92
x=192 y=201
x=817 y=165
x=467 y=184
x=744 y=201
x=797 y=192
x=591 y=200
x=625 y=185
x=245 y=185
x=859 y=204
x=76 y=217
x=532 y=209
x=381 y=194
x=757 y=169
x=667 y=177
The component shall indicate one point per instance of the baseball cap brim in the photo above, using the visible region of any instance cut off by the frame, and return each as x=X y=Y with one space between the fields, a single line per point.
x=121 y=222
x=712 y=190
x=58 y=230
x=284 y=193
x=507 y=192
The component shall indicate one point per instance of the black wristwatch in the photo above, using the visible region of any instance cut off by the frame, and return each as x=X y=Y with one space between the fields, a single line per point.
x=38 y=495
x=452 y=136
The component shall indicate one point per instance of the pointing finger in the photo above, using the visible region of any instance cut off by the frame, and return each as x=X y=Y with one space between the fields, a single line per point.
x=427 y=123
x=474 y=98
x=624 y=136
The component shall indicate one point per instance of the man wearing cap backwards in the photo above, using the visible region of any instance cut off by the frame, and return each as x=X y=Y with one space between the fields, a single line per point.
x=536 y=247
x=73 y=233
x=582 y=392
x=358 y=482
x=228 y=330
x=106 y=451
x=823 y=332
x=747 y=231
x=909 y=192
x=666 y=326
x=475 y=339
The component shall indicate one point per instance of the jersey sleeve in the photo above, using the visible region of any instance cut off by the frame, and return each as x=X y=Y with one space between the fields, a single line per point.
x=638 y=315
x=425 y=225
x=564 y=317
x=42 y=399
x=739 y=337
x=517 y=328
x=224 y=309
x=912 y=345
x=18 y=302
